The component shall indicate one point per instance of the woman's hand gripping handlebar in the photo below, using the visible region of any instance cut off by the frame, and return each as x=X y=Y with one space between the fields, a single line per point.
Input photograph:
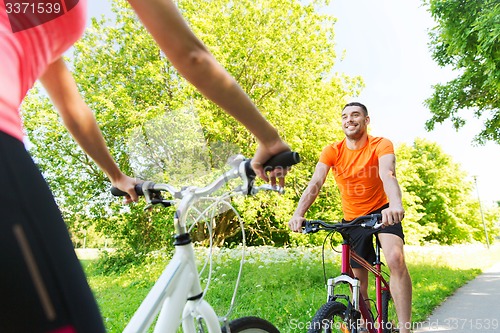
x=241 y=168
x=373 y=221
x=283 y=161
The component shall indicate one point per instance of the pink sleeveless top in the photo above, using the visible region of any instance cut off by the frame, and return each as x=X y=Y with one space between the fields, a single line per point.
x=32 y=35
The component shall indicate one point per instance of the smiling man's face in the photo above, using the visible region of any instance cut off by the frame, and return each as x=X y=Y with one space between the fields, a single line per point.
x=354 y=122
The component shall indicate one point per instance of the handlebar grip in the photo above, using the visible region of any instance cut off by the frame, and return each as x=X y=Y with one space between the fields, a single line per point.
x=119 y=193
x=282 y=160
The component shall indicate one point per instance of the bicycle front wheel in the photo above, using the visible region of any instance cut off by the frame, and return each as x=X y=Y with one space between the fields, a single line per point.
x=330 y=318
x=388 y=313
x=251 y=325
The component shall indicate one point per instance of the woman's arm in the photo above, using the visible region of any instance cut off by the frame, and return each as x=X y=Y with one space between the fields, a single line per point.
x=193 y=61
x=81 y=123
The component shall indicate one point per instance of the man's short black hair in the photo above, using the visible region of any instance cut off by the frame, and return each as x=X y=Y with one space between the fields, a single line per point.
x=362 y=106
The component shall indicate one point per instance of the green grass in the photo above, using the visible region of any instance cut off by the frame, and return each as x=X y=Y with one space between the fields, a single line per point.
x=286 y=286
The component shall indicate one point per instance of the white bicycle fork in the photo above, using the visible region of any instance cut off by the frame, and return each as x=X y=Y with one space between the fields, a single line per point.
x=178 y=282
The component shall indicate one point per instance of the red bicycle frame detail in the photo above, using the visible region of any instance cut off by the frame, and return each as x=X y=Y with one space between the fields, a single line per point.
x=381 y=284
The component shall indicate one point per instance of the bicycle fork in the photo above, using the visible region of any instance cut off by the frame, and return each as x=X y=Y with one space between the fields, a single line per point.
x=356 y=307
x=352 y=314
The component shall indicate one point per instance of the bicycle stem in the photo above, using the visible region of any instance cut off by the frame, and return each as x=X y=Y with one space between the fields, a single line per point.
x=180 y=215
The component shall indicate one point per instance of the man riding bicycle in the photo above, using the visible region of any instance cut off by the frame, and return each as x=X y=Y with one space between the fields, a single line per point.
x=364 y=170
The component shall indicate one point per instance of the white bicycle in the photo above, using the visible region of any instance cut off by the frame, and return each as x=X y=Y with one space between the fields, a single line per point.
x=177 y=296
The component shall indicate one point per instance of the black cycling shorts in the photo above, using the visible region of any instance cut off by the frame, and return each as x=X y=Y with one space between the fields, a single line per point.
x=43 y=288
x=362 y=239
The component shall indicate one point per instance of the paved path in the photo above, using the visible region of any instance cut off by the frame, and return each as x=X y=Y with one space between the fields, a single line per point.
x=473 y=308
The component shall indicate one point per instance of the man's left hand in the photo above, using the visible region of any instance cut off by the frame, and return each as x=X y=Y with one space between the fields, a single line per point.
x=392 y=215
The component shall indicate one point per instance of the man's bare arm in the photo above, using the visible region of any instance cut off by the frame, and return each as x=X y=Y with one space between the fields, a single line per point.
x=309 y=196
x=387 y=173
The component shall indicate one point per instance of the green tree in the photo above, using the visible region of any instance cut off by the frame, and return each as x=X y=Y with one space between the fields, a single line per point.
x=467 y=38
x=408 y=178
x=441 y=204
x=281 y=52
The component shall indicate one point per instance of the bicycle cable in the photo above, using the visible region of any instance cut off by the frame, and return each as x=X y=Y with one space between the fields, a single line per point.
x=221 y=200
x=330 y=235
x=242 y=260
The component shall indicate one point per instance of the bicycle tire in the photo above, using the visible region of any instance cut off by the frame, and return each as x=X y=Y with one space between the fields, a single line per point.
x=250 y=325
x=388 y=325
x=329 y=318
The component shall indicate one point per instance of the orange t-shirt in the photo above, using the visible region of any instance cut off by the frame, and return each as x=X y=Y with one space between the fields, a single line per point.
x=357 y=175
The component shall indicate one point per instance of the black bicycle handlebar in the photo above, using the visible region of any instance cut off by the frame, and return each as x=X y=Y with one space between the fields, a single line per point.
x=372 y=222
x=282 y=160
x=119 y=193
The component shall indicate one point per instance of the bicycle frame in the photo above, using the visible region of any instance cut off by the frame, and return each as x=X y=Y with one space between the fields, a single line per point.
x=347 y=276
x=177 y=292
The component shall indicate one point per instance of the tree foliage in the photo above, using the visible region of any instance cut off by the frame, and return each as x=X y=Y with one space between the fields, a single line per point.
x=467 y=38
x=282 y=54
x=159 y=127
x=438 y=199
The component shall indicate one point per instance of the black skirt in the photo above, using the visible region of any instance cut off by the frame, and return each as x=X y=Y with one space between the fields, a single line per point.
x=42 y=284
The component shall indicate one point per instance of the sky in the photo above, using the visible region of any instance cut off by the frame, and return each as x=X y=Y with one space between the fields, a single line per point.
x=386 y=43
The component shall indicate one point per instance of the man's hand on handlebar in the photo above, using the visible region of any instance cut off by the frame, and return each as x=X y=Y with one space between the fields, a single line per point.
x=296 y=222
x=392 y=215
x=262 y=155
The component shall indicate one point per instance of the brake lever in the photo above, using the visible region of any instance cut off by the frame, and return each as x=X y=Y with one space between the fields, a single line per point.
x=372 y=224
x=153 y=197
x=247 y=173
x=310 y=227
x=164 y=203
x=267 y=187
